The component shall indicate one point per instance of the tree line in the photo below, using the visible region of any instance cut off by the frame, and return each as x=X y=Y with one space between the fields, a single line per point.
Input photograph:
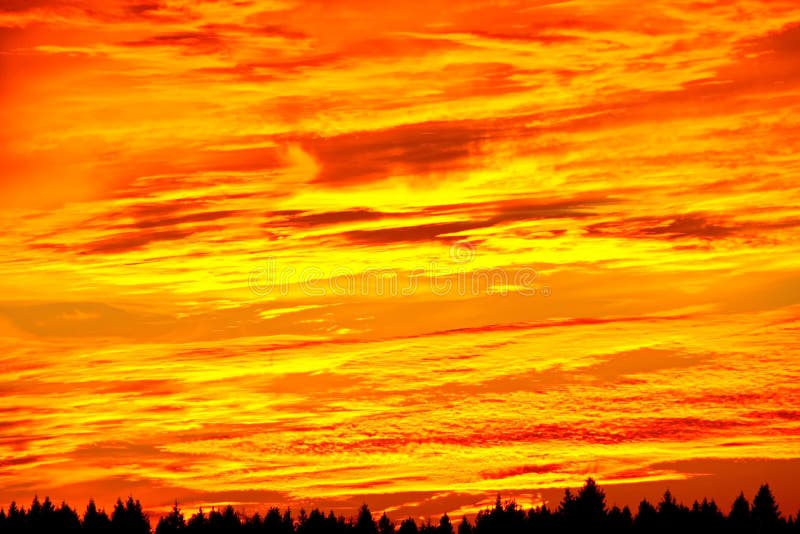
x=585 y=511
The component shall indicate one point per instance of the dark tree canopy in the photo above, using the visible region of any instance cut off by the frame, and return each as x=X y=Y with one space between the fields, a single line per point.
x=128 y=518
x=765 y=514
x=408 y=526
x=464 y=527
x=365 y=524
x=95 y=521
x=581 y=511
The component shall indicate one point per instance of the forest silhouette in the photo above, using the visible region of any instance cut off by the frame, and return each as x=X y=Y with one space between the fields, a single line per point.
x=585 y=511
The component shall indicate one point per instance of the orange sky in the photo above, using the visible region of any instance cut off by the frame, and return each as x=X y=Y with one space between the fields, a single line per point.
x=590 y=210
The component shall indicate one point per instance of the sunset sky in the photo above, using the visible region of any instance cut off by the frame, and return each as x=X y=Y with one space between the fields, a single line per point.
x=322 y=253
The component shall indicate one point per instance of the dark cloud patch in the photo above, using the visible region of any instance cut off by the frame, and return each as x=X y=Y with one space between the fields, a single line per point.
x=415 y=149
x=191 y=42
x=686 y=226
x=527 y=35
x=337 y=217
x=373 y=484
x=14 y=424
x=129 y=241
x=523 y=470
x=576 y=321
x=20 y=460
x=782 y=42
x=666 y=227
x=142 y=224
x=139 y=388
x=491 y=214
x=143 y=8
x=266 y=30
x=158 y=209
x=772 y=415
x=515 y=210
x=410 y=234
x=11 y=6
x=275 y=69
x=104 y=451
x=274 y=30
x=689 y=226
x=150 y=217
x=472 y=216
x=202 y=216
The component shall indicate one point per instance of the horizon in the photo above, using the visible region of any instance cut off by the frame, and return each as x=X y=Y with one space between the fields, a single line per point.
x=559 y=507
x=290 y=251
x=550 y=498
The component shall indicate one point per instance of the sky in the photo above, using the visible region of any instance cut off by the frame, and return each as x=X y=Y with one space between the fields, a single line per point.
x=318 y=254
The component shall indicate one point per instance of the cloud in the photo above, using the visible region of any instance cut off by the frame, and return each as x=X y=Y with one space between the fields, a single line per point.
x=474 y=218
x=406 y=234
x=524 y=470
x=205 y=42
x=645 y=360
x=202 y=216
x=782 y=42
x=338 y=217
x=128 y=241
x=706 y=227
x=82 y=319
x=414 y=149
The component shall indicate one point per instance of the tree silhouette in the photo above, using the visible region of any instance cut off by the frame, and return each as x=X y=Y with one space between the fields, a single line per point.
x=94 y=521
x=273 y=521
x=619 y=520
x=254 y=524
x=426 y=527
x=590 y=506
x=15 y=520
x=226 y=521
x=464 y=527
x=313 y=523
x=334 y=524
x=583 y=512
x=385 y=525
x=568 y=511
x=365 y=524
x=198 y=522
x=287 y=523
x=739 y=518
x=408 y=526
x=765 y=514
x=172 y=523
x=445 y=526
x=646 y=518
x=67 y=520
x=40 y=517
x=541 y=519
x=128 y=518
